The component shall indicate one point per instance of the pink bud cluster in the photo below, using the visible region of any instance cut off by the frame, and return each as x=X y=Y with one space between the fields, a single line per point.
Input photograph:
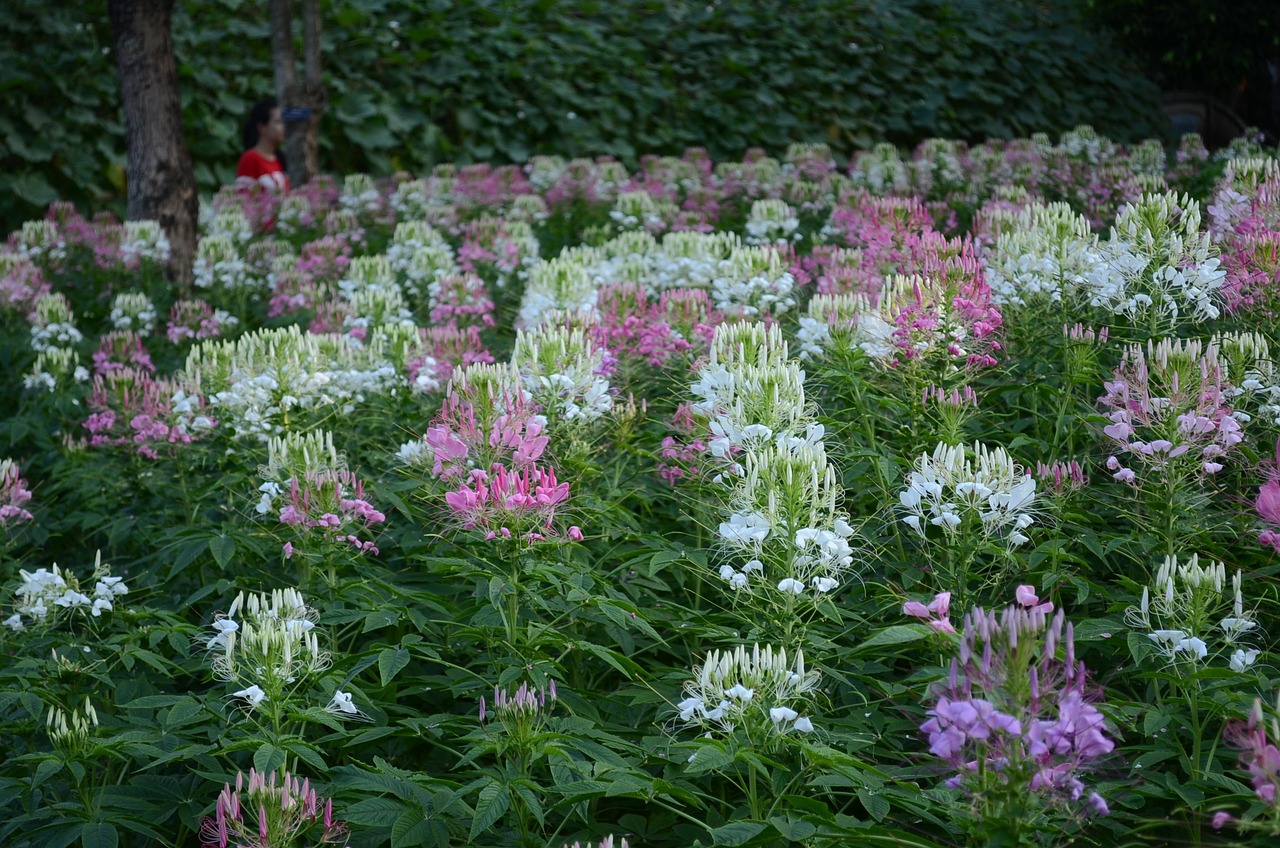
x=1159 y=414
x=956 y=399
x=275 y=811
x=192 y=320
x=526 y=700
x=1012 y=717
x=131 y=407
x=14 y=495
x=882 y=228
x=333 y=503
x=119 y=350
x=1061 y=478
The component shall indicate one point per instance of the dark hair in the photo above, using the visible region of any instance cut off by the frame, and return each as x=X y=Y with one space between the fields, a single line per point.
x=260 y=114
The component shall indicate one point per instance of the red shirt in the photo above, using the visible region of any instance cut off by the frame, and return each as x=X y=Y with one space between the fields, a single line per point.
x=256 y=168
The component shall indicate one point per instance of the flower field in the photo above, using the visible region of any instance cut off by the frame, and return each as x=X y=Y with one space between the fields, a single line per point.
x=931 y=498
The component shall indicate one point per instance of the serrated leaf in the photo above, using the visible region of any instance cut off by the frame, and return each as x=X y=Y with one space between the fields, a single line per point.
x=268 y=758
x=410 y=829
x=379 y=619
x=223 y=548
x=708 y=758
x=46 y=770
x=375 y=812
x=493 y=803
x=391 y=661
x=898 y=634
x=99 y=835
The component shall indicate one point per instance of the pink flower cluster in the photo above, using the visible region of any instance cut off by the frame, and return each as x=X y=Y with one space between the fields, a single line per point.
x=448 y=347
x=1268 y=506
x=276 y=811
x=460 y=300
x=21 y=286
x=937 y=614
x=1013 y=716
x=525 y=700
x=506 y=503
x=490 y=251
x=1160 y=413
x=643 y=333
x=14 y=495
x=130 y=407
x=192 y=319
x=1259 y=756
x=119 y=350
x=332 y=502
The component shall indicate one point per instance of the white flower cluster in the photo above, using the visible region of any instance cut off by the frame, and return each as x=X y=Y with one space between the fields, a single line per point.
x=562 y=371
x=231 y=224
x=849 y=317
x=1252 y=376
x=781 y=506
x=639 y=210
x=962 y=491
x=758 y=687
x=133 y=311
x=266 y=643
x=254 y=382
x=45 y=595
x=292 y=457
x=772 y=221
x=360 y=194
x=419 y=255
x=1189 y=615
x=41 y=239
x=752 y=282
x=881 y=171
x=1241 y=182
x=58 y=364
x=53 y=326
x=1158 y=265
x=1046 y=253
x=220 y=264
x=144 y=240
x=561 y=284
x=295 y=214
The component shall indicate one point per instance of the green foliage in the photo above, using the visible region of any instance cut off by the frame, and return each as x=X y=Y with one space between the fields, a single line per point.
x=415 y=83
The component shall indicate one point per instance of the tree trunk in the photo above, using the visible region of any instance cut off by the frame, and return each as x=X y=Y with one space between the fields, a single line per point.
x=161 y=182
x=301 y=135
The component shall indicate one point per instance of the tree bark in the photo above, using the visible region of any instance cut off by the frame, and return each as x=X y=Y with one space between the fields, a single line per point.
x=161 y=181
x=301 y=136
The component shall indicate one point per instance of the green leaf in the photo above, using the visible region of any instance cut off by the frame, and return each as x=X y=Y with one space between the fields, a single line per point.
x=391 y=661
x=493 y=803
x=379 y=619
x=898 y=634
x=268 y=758
x=375 y=812
x=46 y=770
x=736 y=833
x=793 y=830
x=99 y=835
x=709 y=758
x=410 y=829
x=222 y=547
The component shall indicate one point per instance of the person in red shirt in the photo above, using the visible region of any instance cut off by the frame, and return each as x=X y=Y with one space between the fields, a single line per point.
x=261 y=163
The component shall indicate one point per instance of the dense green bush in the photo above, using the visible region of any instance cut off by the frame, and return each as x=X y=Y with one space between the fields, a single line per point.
x=412 y=82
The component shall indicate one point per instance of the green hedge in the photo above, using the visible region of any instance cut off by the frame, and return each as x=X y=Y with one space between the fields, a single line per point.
x=414 y=82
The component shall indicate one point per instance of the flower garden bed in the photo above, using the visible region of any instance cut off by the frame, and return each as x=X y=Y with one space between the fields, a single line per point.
x=929 y=500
